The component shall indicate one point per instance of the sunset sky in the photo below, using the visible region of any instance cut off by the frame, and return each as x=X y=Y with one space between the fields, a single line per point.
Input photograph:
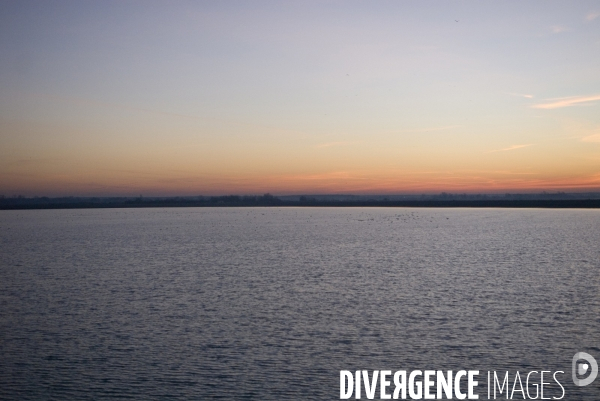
x=246 y=97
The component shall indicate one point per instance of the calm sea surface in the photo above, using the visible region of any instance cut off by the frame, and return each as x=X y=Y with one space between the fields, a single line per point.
x=271 y=303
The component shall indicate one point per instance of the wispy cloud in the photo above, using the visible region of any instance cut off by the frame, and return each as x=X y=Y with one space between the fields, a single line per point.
x=513 y=147
x=592 y=16
x=326 y=176
x=559 y=28
x=520 y=95
x=566 y=102
x=591 y=138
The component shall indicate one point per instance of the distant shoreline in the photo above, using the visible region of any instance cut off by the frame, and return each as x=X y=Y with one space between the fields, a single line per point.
x=271 y=201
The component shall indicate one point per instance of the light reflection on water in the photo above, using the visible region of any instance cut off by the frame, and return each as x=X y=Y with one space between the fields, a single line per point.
x=271 y=303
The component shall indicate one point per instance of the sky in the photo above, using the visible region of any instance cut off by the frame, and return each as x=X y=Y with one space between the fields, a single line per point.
x=159 y=98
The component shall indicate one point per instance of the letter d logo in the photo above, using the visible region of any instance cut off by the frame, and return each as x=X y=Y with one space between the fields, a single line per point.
x=583 y=368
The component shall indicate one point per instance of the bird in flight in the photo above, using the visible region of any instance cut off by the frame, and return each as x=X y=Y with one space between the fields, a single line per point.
x=456 y=20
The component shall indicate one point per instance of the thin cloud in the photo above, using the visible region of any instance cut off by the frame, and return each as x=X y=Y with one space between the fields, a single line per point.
x=559 y=28
x=513 y=147
x=333 y=175
x=591 y=138
x=566 y=102
x=521 y=95
x=592 y=16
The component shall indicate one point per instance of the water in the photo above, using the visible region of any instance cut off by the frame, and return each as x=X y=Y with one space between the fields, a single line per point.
x=271 y=303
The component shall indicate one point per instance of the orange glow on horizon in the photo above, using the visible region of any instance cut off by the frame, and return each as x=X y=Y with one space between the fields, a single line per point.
x=341 y=182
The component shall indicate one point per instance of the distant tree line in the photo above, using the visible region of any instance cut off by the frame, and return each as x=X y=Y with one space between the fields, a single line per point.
x=564 y=200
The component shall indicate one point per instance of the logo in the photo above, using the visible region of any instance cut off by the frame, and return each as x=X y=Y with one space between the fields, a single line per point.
x=581 y=368
x=463 y=384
